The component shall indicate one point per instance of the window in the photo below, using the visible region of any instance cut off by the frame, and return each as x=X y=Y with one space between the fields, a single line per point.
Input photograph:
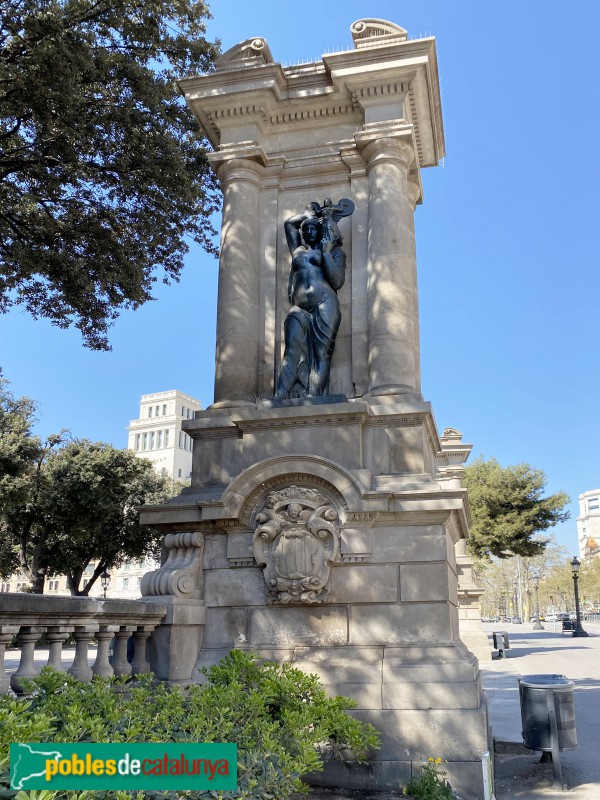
x=593 y=504
x=166 y=438
x=182 y=411
x=159 y=440
x=165 y=410
x=152 y=440
x=149 y=411
x=181 y=438
x=137 y=441
x=156 y=411
x=179 y=473
x=124 y=583
x=145 y=441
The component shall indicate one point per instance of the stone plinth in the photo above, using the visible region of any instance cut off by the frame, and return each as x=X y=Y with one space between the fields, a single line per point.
x=385 y=630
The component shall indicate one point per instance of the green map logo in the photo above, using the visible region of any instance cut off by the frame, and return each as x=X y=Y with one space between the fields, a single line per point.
x=89 y=766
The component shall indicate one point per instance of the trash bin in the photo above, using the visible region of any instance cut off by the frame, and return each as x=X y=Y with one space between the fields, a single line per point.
x=501 y=642
x=542 y=695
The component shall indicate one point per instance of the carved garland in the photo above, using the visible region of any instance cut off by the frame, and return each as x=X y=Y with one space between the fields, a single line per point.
x=295 y=541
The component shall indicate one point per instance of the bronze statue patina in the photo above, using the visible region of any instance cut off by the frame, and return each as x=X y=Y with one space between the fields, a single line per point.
x=318 y=271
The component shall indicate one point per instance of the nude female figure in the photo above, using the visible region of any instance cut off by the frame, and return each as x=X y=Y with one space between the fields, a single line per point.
x=317 y=271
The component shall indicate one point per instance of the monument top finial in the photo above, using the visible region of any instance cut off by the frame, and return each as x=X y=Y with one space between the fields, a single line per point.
x=251 y=52
x=376 y=33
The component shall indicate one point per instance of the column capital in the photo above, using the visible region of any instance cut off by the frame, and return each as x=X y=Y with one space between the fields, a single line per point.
x=243 y=162
x=377 y=142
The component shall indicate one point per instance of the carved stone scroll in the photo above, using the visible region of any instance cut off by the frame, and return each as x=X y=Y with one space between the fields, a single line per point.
x=179 y=575
x=296 y=540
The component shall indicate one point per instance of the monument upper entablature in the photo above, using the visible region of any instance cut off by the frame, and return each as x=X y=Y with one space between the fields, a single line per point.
x=386 y=78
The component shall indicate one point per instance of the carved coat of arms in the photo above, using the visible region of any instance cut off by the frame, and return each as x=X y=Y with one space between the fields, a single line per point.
x=295 y=541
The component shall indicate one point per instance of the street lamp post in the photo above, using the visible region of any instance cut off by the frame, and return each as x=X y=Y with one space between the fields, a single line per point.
x=105 y=581
x=536 y=575
x=575 y=564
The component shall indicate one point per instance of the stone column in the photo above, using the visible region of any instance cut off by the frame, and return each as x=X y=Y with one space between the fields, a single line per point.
x=238 y=319
x=392 y=303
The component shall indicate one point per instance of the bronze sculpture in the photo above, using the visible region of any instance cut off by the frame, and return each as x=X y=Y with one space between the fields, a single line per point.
x=317 y=271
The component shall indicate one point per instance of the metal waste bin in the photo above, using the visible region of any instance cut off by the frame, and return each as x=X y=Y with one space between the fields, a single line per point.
x=501 y=642
x=541 y=697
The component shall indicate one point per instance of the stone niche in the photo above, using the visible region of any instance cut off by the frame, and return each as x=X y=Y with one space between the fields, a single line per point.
x=329 y=525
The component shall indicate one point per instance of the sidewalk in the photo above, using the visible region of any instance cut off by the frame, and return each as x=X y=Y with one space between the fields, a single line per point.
x=522 y=777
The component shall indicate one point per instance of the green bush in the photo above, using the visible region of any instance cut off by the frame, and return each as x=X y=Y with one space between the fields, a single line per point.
x=277 y=715
x=431 y=783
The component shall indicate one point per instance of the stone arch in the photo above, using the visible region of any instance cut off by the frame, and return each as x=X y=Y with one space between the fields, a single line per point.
x=249 y=488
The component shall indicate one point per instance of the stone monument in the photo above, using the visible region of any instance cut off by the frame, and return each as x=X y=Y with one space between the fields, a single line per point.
x=324 y=513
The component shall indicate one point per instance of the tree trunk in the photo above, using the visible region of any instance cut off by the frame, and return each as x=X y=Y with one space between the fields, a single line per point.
x=37 y=580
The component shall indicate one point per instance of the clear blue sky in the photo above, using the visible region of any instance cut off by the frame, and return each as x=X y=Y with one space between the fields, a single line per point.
x=507 y=244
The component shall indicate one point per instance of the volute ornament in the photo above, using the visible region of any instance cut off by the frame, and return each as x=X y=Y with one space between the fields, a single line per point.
x=296 y=539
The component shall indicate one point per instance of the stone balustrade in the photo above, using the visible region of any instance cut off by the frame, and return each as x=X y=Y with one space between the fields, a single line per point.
x=31 y=615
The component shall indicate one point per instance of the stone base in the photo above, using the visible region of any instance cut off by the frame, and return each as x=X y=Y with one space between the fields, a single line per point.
x=384 y=629
x=425 y=701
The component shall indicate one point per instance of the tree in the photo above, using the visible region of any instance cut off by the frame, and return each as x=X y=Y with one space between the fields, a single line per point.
x=102 y=169
x=22 y=455
x=509 y=510
x=504 y=578
x=65 y=504
x=92 y=499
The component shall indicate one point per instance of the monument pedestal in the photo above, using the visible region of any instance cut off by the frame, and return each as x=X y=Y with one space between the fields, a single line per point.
x=382 y=623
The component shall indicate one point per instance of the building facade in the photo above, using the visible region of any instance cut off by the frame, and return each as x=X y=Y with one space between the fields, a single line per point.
x=157 y=435
x=588 y=524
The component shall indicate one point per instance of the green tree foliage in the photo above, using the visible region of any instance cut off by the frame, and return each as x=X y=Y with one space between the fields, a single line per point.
x=21 y=457
x=509 y=509
x=280 y=718
x=102 y=168
x=66 y=504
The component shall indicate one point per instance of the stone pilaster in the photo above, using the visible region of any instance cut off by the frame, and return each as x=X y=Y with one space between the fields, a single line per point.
x=392 y=302
x=469 y=607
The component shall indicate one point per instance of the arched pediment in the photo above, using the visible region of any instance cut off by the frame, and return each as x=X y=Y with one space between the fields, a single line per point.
x=247 y=490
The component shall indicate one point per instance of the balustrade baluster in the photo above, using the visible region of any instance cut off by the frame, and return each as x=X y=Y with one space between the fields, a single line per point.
x=80 y=668
x=120 y=664
x=6 y=635
x=140 y=663
x=57 y=636
x=28 y=636
x=102 y=665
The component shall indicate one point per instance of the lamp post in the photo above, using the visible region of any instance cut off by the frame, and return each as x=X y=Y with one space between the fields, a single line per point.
x=515 y=599
x=105 y=581
x=575 y=564
x=536 y=575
